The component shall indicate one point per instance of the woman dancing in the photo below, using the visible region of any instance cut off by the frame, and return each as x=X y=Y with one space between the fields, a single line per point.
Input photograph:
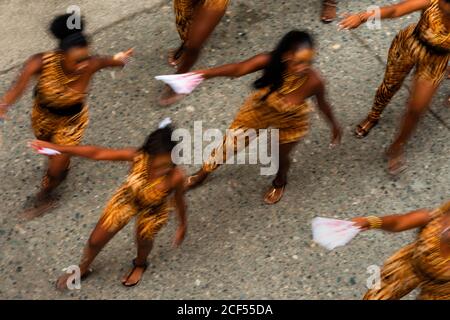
x=144 y=195
x=424 y=264
x=195 y=20
x=424 y=45
x=60 y=112
x=279 y=102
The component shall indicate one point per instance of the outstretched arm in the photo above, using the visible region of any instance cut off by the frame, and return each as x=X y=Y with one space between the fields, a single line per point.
x=31 y=68
x=326 y=109
x=179 y=181
x=398 y=222
x=119 y=60
x=388 y=12
x=239 y=69
x=89 y=152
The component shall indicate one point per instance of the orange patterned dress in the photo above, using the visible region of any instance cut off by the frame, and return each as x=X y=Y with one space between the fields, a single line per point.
x=418 y=265
x=60 y=114
x=138 y=197
x=184 y=12
x=292 y=122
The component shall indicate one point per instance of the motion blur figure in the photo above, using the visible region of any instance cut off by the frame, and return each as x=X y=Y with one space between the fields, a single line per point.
x=424 y=46
x=60 y=112
x=144 y=195
x=423 y=264
x=278 y=102
x=195 y=20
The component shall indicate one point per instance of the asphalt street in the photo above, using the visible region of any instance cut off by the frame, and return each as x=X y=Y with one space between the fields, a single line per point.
x=237 y=247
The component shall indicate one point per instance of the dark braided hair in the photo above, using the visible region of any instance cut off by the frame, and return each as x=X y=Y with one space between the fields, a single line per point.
x=273 y=73
x=68 y=38
x=159 y=142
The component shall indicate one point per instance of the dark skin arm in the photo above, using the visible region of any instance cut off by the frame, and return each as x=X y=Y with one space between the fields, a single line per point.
x=89 y=152
x=327 y=111
x=235 y=70
x=102 y=62
x=178 y=182
x=399 y=222
x=31 y=68
x=388 y=12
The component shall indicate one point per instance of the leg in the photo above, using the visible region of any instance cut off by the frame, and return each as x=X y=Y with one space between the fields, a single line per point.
x=204 y=21
x=275 y=193
x=328 y=11
x=420 y=99
x=399 y=64
x=55 y=175
x=97 y=241
x=148 y=226
x=231 y=145
x=397 y=277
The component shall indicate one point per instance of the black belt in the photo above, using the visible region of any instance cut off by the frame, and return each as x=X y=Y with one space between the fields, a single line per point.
x=433 y=49
x=64 y=111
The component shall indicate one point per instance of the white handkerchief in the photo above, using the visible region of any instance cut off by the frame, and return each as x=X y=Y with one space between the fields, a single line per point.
x=182 y=83
x=48 y=152
x=332 y=233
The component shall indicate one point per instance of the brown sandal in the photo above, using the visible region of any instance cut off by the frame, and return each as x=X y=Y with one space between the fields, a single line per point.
x=135 y=266
x=329 y=8
x=363 y=129
x=396 y=163
x=274 y=194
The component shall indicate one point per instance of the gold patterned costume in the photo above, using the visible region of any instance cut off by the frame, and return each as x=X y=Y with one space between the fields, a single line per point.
x=418 y=265
x=291 y=120
x=138 y=197
x=184 y=12
x=425 y=46
x=59 y=114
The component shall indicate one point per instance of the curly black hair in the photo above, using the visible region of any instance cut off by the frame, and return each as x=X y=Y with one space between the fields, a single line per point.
x=159 y=142
x=68 y=37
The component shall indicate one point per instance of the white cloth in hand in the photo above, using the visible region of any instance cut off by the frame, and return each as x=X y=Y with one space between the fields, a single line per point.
x=182 y=83
x=332 y=233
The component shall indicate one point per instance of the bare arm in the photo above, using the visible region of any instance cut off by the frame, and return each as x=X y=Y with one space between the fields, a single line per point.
x=31 y=68
x=237 y=69
x=119 y=60
x=399 y=222
x=325 y=108
x=89 y=152
x=179 y=182
x=388 y=12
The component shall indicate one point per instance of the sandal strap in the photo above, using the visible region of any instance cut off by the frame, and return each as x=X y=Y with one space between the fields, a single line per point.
x=144 y=266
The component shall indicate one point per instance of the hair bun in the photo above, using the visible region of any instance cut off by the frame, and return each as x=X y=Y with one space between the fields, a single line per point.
x=60 y=29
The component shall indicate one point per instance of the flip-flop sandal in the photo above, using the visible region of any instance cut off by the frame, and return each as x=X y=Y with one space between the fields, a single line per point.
x=135 y=266
x=175 y=56
x=399 y=165
x=363 y=129
x=329 y=9
x=274 y=195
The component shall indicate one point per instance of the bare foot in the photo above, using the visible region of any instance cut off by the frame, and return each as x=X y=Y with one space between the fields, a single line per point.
x=169 y=97
x=175 y=56
x=41 y=206
x=62 y=282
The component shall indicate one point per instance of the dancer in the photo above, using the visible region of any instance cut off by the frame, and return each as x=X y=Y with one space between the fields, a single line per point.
x=279 y=102
x=60 y=112
x=195 y=20
x=329 y=8
x=144 y=195
x=424 y=45
x=424 y=264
